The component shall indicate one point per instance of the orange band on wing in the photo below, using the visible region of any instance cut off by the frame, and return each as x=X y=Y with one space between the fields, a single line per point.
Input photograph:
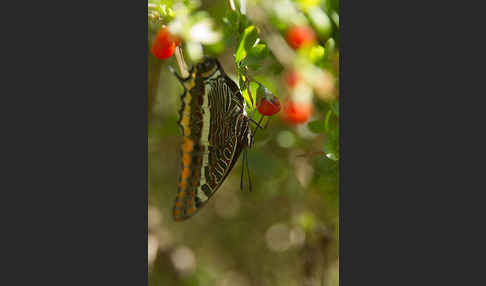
x=183 y=186
x=185 y=173
x=188 y=145
x=186 y=159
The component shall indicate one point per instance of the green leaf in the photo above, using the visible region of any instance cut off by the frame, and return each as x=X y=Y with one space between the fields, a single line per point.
x=331 y=151
x=317 y=54
x=331 y=127
x=256 y=56
x=317 y=126
x=259 y=51
x=230 y=22
x=330 y=46
x=249 y=38
x=335 y=107
x=253 y=88
x=327 y=120
x=241 y=82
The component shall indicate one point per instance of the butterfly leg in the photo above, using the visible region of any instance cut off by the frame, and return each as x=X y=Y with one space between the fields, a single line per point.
x=256 y=123
x=244 y=167
x=248 y=171
x=258 y=126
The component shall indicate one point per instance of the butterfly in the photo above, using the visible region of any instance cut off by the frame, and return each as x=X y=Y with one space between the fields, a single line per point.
x=215 y=128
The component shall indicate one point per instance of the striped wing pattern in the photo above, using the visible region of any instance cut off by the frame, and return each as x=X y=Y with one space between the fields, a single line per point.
x=215 y=129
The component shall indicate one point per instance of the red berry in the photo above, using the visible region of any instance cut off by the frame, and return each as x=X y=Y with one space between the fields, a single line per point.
x=297 y=112
x=164 y=44
x=298 y=37
x=269 y=107
x=292 y=78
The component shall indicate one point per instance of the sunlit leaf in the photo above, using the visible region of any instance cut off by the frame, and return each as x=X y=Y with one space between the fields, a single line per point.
x=241 y=81
x=330 y=151
x=317 y=54
x=253 y=88
x=249 y=38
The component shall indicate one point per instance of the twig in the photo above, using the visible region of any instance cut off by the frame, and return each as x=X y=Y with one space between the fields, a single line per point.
x=181 y=63
x=232 y=5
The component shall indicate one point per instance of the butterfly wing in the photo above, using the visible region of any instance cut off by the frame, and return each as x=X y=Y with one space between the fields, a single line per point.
x=215 y=129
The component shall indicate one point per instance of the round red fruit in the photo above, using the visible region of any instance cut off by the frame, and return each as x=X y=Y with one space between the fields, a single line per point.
x=297 y=112
x=164 y=44
x=299 y=36
x=269 y=107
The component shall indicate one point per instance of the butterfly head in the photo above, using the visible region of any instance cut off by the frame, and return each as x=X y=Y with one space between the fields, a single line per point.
x=208 y=67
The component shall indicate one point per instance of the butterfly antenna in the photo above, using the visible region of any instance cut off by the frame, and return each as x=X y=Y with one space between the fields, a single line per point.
x=242 y=172
x=257 y=125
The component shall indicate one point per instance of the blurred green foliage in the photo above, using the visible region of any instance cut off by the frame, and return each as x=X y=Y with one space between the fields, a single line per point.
x=284 y=232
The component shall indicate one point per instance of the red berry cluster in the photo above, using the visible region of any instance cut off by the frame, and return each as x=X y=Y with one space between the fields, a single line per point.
x=297 y=111
x=164 y=44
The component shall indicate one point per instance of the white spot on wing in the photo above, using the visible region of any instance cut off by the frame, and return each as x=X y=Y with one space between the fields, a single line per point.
x=204 y=141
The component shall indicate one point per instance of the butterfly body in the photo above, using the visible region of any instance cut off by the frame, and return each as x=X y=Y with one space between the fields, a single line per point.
x=215 y=128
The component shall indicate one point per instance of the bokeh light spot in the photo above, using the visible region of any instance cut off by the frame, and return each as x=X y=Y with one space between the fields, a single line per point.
x=153 y=246
x=285 y=139
x=278 y=237
x=184 y=260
